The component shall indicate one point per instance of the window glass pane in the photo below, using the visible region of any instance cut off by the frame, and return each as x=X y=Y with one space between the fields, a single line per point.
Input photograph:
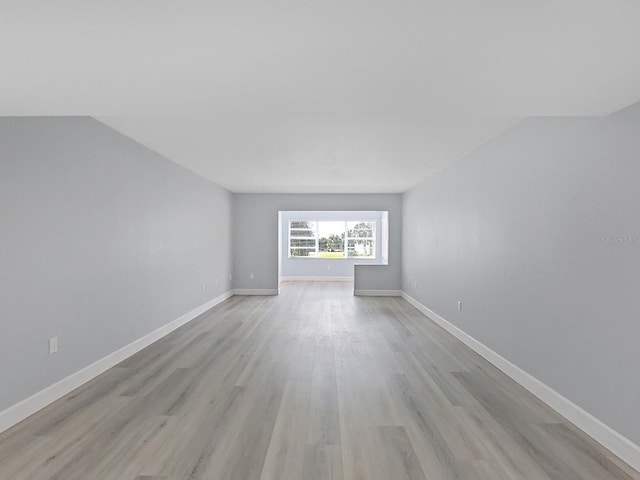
x=360 y=248
x=301 y=224
x=331 y=243
x=302 y=229
x=328 y=239
x=331 y=239
x=302 y=242
x=305 y=233
x=330 y=228
x=361 y=229
x=302 y=252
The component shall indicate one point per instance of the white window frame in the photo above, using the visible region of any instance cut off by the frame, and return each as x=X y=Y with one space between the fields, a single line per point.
x=316 y=237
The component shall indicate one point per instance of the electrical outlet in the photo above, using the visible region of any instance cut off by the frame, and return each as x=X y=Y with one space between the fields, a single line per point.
x=459 y=305
x=203 y=286
x=328 y=267
x=53 y=345
x=216 y=281
x=251 y=276
x=229 y=276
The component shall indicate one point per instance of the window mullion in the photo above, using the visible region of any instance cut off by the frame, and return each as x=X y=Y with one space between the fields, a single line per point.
x=344 y=247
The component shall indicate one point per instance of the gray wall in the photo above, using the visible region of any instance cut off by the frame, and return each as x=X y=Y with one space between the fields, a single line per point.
x=101 y=242
x=538 y=234
x=256 y=232
x=325 y=267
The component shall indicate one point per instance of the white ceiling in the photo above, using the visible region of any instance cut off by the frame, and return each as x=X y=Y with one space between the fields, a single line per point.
x=324 y=96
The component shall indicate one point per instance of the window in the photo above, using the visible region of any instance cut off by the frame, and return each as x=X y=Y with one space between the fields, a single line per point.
x=332 y=239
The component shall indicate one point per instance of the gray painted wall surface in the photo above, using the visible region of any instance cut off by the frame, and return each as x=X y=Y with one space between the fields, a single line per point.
x=538 y=234
x=101 y=242
x=325 y=267
x=373 y=277
x=256 y=232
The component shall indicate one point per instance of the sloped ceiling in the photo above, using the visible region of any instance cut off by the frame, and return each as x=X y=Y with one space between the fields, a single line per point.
x=332 y=96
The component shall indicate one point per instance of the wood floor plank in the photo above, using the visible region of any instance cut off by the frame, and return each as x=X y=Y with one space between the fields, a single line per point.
x=399 y=458
x=287 y=447
x=311 y=384
x=322 y=462
x=434 y=452
x=480 y=470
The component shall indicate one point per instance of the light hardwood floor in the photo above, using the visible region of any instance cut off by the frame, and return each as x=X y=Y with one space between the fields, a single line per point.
x=311 y=384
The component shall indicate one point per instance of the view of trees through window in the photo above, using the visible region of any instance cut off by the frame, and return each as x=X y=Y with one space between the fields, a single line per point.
x=332 y=239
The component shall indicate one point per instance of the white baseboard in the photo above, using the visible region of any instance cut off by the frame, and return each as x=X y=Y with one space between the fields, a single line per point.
x=316 y=279
x=595 y=428
x=41 y=399
x=377 y=293
x=255 y=291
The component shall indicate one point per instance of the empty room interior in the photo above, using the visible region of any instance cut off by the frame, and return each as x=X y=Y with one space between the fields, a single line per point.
x=320 y=240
